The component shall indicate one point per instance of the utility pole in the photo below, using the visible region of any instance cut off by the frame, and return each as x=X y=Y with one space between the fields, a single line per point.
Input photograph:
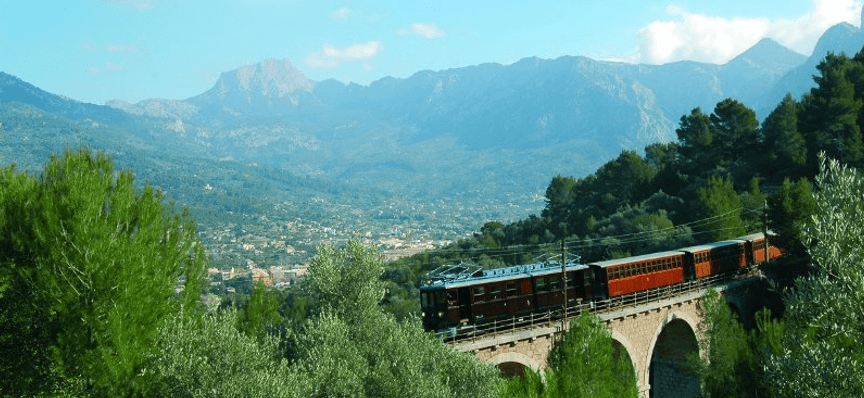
x=765 y=228
x=564 y=283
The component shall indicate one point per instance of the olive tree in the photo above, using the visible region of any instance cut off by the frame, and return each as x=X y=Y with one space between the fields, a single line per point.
x=821 y=355
x=355 y=349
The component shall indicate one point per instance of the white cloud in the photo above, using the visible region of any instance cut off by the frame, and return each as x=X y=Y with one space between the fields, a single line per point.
x=341 y=13
x=427 y=30
x=697 y=37
x=330 y=56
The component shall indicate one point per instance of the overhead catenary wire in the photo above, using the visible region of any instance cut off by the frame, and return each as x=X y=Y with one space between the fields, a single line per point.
x=576 y=245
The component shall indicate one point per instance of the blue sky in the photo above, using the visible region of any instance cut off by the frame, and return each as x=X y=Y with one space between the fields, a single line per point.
x=98 y=50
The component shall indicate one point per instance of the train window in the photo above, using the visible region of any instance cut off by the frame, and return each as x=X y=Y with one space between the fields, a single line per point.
x=555 y=282
x=424 y=300
x=479 y=293
x=495 y=291
x=451 y=295
x=439 y=298
x=541 y=284
x=511 y=289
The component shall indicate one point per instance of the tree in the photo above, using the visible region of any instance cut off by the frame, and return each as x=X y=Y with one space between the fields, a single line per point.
x=560 y=197
x=585 y=363
x=722 y=207
x=822 y=354
x=788 y=211
x=736 y=138
x=89 y=273
x=830 y=114
x=730 y=368
x=208 y=357
x=261 y=318
x=696 y=139
x=785 y=147
x=355 y=349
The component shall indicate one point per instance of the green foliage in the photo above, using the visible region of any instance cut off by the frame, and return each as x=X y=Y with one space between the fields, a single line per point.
x=261 y=318
x=821 y=354
x=785 y=146
x=355 y=349
x=722 y=208
x=585 y=363
x=89 y=273
x=696 y=138
x=788 y=211
x=209 y=357
x=832 y=110
x=730 y=368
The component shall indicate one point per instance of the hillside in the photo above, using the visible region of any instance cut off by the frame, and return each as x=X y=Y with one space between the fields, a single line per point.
x=268 y=154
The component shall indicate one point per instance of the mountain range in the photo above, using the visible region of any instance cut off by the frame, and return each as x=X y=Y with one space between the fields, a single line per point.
x=433 y=155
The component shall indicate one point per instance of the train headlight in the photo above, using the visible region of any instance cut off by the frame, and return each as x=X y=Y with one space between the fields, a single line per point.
x=423 y=314
x=440 y=315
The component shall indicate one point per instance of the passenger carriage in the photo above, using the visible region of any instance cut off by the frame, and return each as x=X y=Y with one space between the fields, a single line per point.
x=622 y=276
x=468 y=295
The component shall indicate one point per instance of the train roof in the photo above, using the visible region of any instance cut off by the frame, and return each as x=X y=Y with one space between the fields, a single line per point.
x=712 y=245
x=644 y=257
x=505 y=274
x=756 y=236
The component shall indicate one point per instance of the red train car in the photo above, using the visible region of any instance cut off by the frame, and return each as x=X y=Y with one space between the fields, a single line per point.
x=631 y=274
x=469 y=295
x=716 y=258
x=756 y=246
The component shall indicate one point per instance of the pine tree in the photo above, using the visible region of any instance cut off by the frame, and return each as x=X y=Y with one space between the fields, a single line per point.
x=92 y=265
x=786 y=150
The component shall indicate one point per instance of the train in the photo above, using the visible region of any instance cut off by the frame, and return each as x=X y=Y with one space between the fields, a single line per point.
x=467 y=295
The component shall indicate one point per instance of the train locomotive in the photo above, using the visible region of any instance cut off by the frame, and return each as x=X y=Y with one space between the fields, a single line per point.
x=468 y=295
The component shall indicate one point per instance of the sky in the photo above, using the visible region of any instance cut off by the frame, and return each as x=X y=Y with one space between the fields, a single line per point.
x=99 y=50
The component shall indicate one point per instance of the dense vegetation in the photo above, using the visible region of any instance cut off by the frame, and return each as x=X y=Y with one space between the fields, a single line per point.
x=101 y=279
x=726 y=176
x=100 y=288
x=587 y=350
x=814 y=350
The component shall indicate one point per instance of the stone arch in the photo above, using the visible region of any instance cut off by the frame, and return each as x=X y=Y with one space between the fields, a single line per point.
x=682 y=331
x=513 y=363
x=621 y=339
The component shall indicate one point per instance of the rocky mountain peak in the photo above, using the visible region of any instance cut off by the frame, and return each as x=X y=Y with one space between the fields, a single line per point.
x=268 y=78
x=770 y=55
x=272 y=78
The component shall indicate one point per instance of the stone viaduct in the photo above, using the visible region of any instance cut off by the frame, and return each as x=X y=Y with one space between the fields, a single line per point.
x=657 y=335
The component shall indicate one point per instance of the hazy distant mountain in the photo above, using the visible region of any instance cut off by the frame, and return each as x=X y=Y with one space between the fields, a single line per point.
x=267 y=88
x=576 y=102
x=841 y=38
x=469 y=144
x=13 y=89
